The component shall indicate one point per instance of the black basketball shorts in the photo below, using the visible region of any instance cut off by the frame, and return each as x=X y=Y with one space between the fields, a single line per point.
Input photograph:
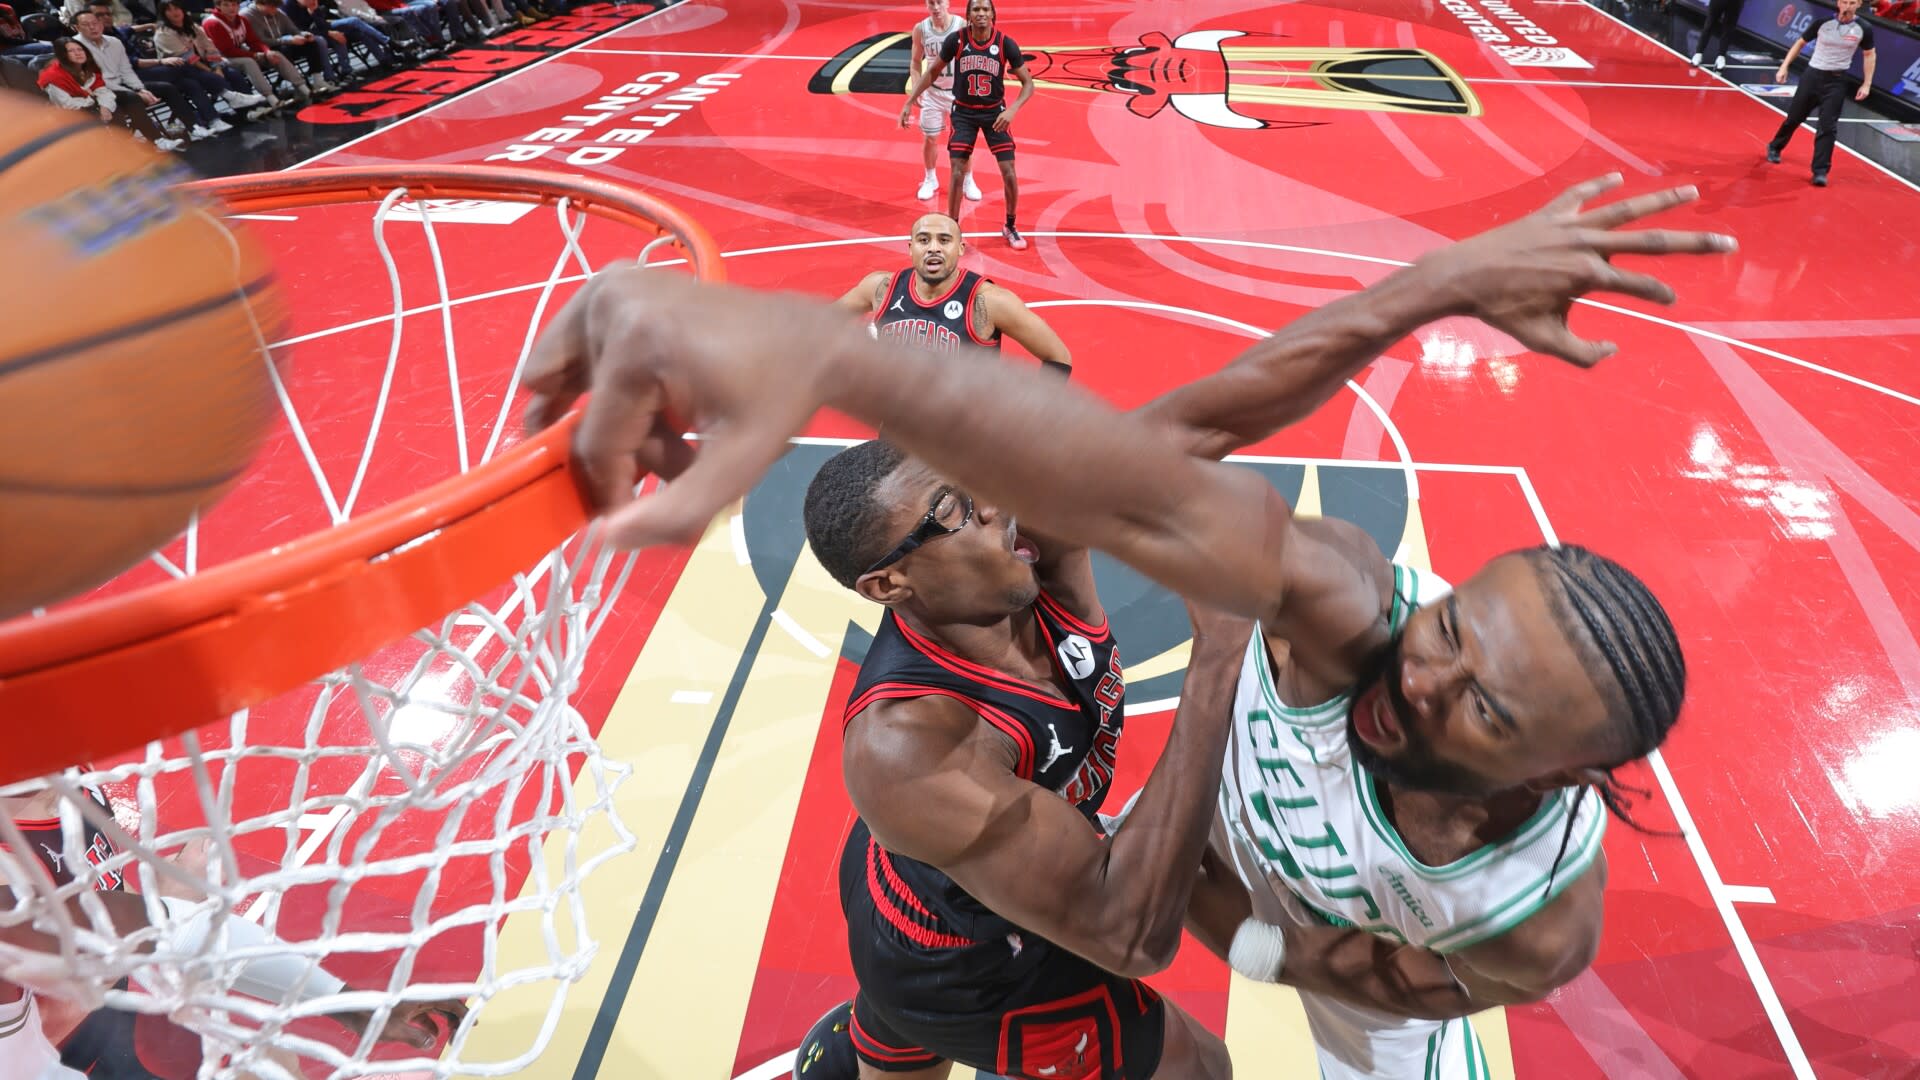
x=968 y=124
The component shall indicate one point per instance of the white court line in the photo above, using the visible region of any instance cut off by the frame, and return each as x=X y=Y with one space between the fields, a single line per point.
x=691 y=697
x=1722 y=898
x=781 y=1065
x=1682 y=57
x=262 y=217
x=1748 y=894
x=332 y=150
x=710 y=55
x=1148 y=708
x=737 y=532
x=1605 y=85
x=798 y=633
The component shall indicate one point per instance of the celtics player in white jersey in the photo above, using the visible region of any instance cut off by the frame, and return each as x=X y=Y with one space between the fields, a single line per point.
x=1465 y=727
x=936 y=104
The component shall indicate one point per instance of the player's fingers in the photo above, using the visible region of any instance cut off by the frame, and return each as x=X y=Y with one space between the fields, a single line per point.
x=1551 y=336
x=618 y=421
x=1571 y=199
x=556 y=372
x=726 y=468
x=1660 y=242
x=1644 y=286
x=1614 y=215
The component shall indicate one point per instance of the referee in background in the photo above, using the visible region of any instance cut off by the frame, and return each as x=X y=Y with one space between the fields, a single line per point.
x=1835 y=40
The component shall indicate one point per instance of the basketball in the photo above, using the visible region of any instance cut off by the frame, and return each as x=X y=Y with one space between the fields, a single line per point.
x=134 y=385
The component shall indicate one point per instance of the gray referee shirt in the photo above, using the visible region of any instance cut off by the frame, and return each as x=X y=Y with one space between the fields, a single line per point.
x=1835 y=42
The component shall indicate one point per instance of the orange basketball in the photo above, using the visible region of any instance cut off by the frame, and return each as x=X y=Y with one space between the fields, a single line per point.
x=134 y=384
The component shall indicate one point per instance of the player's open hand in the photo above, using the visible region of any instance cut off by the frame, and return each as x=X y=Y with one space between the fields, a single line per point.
x=905 y=113
x=661 y=354
x=1005 y=119
x=1523 y=278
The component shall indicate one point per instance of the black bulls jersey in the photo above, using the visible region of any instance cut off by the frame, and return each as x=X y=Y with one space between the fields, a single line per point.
x=48 y=844
x=1066 y=745
x=980 y=71
x=943 y=324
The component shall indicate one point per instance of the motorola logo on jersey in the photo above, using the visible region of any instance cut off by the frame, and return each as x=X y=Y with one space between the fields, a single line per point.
x=1076 y=656
x=1230 y=79
x=952 y=309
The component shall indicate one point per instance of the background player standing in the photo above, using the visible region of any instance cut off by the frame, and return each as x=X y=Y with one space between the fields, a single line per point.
x=928 y=35
x=937 y=305
x=981 y=58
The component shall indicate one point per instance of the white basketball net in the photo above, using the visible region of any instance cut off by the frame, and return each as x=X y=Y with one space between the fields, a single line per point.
x=417 y=824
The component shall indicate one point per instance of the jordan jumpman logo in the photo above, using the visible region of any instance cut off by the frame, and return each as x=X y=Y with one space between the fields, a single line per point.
x=1056 y=752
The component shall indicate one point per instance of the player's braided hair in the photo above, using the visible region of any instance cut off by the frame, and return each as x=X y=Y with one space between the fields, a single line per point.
x=1620 y=628
x=843 y=519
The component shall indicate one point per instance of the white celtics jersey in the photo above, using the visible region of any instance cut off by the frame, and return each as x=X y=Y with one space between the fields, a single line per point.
x=1292 y=796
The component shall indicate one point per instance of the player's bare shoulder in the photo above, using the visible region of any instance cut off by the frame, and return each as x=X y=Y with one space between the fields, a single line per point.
x=980 y=315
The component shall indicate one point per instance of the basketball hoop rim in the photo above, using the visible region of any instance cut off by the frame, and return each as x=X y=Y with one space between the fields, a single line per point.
x=179 y=654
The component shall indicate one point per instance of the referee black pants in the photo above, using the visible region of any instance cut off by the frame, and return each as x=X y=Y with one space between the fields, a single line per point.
x=1826 y=90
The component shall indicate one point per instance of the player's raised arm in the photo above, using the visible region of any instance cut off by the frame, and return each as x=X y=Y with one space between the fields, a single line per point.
x=1519 y=278
x=750 y=370
x=935 y=784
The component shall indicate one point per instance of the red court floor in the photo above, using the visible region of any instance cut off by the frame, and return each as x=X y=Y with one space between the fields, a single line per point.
x=1752 y=451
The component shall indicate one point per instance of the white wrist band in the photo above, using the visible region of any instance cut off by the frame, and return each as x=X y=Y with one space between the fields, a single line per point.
x=1258 y=951
x=270 y=978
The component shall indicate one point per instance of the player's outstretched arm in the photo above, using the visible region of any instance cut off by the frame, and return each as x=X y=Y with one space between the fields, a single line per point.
x=1006 y=313
x=1520 y=278
x=937 y=784
x=1521 y=966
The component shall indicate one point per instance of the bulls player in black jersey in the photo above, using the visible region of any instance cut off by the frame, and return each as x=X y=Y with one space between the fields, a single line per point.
x=982 y=58
x=936 y=305
x=989 y=919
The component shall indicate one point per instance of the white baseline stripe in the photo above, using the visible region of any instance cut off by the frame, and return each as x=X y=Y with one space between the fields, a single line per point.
x=1722 y=899
x=798 y=633
x=1748 y=894
x=709 y=55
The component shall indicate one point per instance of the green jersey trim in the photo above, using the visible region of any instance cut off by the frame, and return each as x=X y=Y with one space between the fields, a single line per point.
x=1525 y=902
x=1406 y=585
x=1551 y=812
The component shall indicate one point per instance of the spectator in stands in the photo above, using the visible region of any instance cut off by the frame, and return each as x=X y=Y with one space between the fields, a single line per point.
x=271 y=25
x=1722 y=17
x=179 y=37
x=14 y=39
x=420 y=16
x=73 y=81
x=235 y=39
x=110 y=55
x=125 y=12
x=325 y=21
x=402 y=35
x=189 y=94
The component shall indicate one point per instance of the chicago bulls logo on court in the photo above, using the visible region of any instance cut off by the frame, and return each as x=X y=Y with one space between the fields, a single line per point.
x=1219 y=78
